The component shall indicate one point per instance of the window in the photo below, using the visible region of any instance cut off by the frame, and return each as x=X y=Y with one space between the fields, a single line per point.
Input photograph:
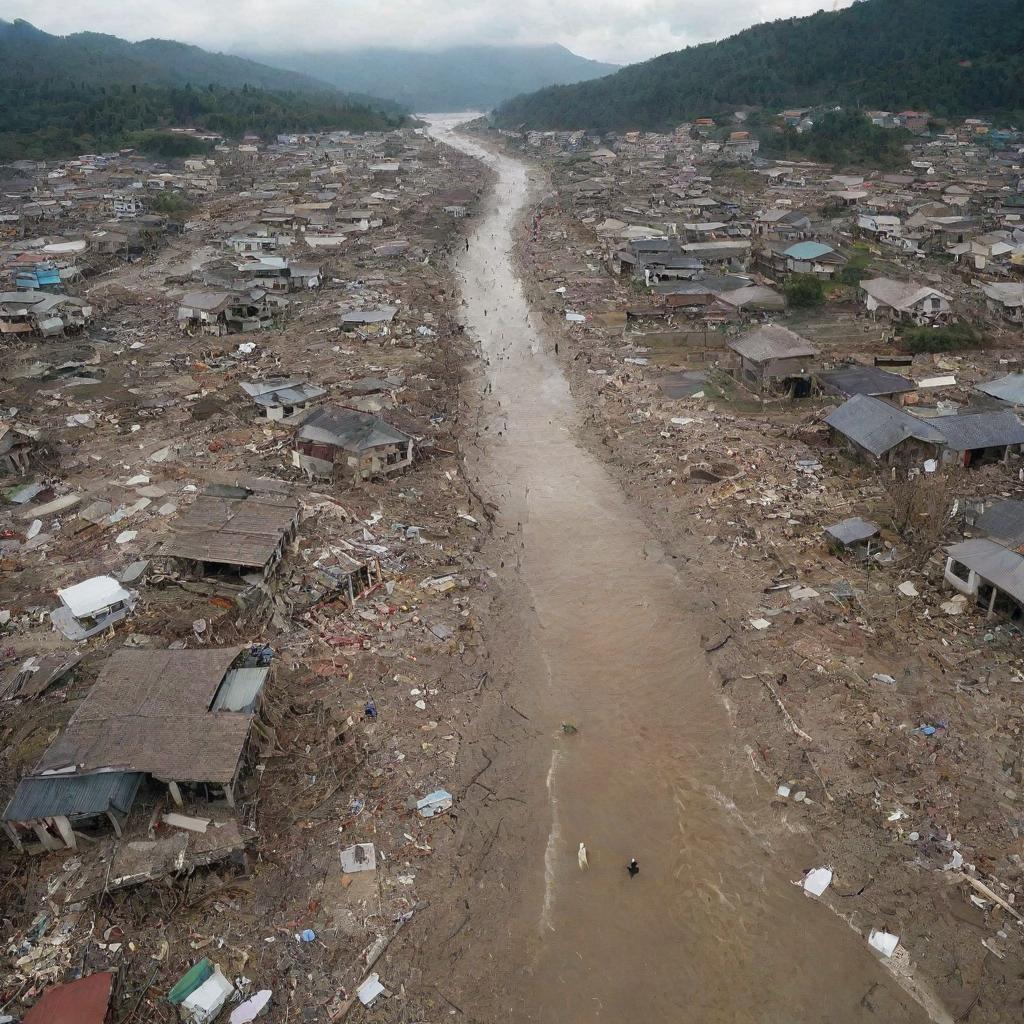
x=959 y=570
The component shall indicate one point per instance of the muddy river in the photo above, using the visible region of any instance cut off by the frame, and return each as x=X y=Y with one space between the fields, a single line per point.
x=712 y=928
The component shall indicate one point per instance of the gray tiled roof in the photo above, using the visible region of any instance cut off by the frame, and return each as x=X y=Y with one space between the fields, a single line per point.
x=980 y=430
x=878 y=426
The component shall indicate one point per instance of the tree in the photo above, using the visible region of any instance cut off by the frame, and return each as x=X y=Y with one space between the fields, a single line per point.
x=804 y=291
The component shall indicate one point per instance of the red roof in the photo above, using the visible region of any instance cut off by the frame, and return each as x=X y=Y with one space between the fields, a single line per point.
x=78 y=1002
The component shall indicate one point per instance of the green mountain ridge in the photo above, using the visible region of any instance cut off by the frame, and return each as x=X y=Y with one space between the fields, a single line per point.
x=950 y=57
x=65 y=95
x=447 y=79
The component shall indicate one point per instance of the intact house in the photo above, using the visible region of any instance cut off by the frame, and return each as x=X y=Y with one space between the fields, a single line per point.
x=92 y=607
x=220 y=313
x=882 y=433
x=848 y=381
x=42 y=313
x=905 y=301
x=235 y=530
x=775 y=360
x=1005 y=299
x=282 y=399
x=808 y=257
x=337 y=442
x=183 y=718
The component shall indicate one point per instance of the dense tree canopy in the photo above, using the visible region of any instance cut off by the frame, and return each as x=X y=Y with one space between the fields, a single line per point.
x=65 y=119
x=950 y=57
x=843 y=138
x=65 y=95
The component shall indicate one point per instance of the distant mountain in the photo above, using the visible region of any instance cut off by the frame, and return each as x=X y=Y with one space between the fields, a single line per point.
x=65 y=95
x=451 y=79
x=945 y=56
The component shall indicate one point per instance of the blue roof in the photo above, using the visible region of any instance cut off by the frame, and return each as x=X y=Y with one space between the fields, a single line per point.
x=46 y=796
x=808 y=250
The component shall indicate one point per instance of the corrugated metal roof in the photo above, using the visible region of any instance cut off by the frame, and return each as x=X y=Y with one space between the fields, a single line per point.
x=72 y=795
x=150 y=711
x=1004 y=521
x=807 y=250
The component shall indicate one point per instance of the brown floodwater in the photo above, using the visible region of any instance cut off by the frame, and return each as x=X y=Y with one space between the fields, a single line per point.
x=712 y=929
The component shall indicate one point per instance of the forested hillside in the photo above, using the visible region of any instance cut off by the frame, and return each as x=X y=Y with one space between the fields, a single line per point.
x=60 y=96
x=947 y=56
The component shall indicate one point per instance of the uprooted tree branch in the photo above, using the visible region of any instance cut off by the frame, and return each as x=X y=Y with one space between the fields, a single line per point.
x=922 y=508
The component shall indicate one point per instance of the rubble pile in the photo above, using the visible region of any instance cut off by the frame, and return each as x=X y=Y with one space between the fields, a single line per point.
x=236 y=640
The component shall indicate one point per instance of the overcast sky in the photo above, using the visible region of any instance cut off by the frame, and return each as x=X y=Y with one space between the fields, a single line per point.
x=614 y=30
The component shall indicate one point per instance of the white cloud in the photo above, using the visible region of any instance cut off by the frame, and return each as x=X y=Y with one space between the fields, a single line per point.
x=617 y=30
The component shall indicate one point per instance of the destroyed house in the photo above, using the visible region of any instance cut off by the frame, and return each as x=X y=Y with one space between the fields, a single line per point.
x=282 y=399
x=775 y=359
x=180 y=717
x=234 y=529
x=276 y=274
x=219 y=313
x=41 y=312
x=17 y=444
x=334 y=441
x=981 y=437
x=92 y=607
x=1005 y=299
x=853 y=535
x=990 y=574
x=906 y=301
x=880 y=432
x=1008 y=389
x=1001 y=521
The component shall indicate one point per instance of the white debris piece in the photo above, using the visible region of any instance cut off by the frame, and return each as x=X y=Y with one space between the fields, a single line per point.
x=907 y=589
x=883 y=941
x=816 y=881
x=361 y=857
x=370 y=990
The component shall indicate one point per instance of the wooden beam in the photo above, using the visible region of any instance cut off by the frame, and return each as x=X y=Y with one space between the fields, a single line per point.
x=63 y=826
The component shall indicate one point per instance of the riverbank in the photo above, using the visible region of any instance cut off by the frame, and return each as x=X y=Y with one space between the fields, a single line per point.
x=719 y=482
